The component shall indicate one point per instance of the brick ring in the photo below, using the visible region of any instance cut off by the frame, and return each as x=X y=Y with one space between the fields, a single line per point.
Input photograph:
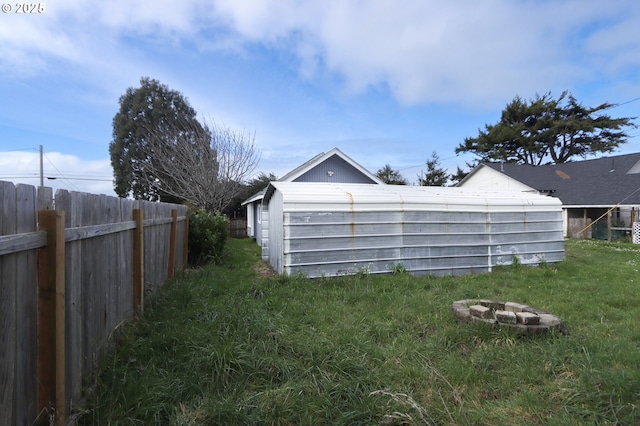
x=520 y=318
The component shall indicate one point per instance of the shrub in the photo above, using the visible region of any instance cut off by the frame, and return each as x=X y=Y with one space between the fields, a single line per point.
x=399 y=269
x=207 y=236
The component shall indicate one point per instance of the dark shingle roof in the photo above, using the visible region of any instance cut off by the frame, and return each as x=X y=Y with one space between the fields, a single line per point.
x=604 y=181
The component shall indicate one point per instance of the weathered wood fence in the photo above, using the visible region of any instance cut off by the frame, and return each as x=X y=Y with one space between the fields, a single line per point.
x=238 y=227
x=72 y=269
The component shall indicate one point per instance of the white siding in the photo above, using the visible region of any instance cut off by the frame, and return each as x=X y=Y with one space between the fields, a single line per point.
x=333 y=229
x=488 y=179
x=251 y=220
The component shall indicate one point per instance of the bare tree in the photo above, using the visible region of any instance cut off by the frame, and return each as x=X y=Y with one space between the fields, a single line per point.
x=203 y=165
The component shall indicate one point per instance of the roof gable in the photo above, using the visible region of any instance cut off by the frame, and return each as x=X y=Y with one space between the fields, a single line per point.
x=485 y=177
x=333 y=166
x=325 y=164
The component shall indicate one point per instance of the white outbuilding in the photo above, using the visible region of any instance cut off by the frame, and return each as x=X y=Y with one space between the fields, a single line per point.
x=327 y=229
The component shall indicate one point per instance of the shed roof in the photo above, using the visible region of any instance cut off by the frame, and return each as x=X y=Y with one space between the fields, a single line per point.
x=255 y=197
x=318 y=196
x=604 y=181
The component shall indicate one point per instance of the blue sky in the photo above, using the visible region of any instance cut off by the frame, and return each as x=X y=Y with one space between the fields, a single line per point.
x=386 y=82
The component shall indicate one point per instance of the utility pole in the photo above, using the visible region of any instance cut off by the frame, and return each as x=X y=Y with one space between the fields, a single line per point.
x=41 y=169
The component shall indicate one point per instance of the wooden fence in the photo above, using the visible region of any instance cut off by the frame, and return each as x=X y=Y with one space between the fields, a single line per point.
x=72 y=269
x=238 y=227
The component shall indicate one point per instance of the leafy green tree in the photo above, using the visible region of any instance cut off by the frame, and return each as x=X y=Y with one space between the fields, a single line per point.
x=390 y=176
x=545 y=130
x=435 y=175
x=148 y=110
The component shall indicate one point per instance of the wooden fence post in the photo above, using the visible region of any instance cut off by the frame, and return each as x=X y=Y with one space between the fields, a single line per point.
x=185 y=241
x=138 y=262
x=172 y=244
x=51 y=315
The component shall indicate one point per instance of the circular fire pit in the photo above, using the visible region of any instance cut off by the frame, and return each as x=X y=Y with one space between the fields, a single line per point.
x=517 y=317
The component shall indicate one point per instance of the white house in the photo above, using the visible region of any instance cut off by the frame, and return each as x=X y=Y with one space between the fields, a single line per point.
x=600 y=197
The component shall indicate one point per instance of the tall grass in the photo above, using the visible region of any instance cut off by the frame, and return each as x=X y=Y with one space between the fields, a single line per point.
x=227 y=346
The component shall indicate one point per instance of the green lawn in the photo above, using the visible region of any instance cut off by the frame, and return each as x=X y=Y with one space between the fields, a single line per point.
x=226 y=345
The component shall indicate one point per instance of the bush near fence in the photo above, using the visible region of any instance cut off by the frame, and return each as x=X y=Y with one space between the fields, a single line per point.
x=72 y=269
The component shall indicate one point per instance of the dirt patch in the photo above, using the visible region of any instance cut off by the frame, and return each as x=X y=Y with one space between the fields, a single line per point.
x=263 y=269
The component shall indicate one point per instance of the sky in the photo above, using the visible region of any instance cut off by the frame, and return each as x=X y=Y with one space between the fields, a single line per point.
x=387 y=82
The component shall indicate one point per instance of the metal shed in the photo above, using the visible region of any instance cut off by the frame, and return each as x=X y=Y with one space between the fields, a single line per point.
x=326 y=229
x=333 y=166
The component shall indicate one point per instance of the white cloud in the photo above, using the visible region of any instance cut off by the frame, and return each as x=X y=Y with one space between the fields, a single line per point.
x=614 y=48
x=466 y=52
x=60 y=171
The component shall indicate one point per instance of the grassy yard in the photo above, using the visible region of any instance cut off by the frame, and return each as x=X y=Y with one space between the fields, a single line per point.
x=230 y=345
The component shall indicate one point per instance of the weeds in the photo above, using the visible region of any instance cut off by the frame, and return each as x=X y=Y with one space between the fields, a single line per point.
x=399 y=269
x=405 y=400
x=231 y=346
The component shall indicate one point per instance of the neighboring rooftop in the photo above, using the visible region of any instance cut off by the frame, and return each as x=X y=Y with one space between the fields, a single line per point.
x=603 y=181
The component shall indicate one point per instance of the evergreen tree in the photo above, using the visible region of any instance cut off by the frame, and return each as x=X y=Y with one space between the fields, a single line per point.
x=390 y=176
x=436 y=175
x=548 y=131
x=146 y=111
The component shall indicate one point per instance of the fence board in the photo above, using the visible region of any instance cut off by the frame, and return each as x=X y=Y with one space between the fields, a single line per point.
x=111 y=283
x=138 y=262
x=44 y=200
x=100 y=284
x=26 y=309
x=7 y=309
x=69 y=202
x=84 y=204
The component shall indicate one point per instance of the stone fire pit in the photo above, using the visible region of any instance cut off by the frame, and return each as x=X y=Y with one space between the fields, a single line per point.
x=520 y=318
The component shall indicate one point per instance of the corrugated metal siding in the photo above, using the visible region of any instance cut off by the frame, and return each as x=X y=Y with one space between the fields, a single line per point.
x=342 y=229
x=263 y=232
x=275 y=242
x=334 y=169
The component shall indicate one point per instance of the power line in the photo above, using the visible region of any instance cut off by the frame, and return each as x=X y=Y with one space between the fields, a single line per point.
x=627 y=102
x=23 y=149
x=70 y=178
x=63 y=178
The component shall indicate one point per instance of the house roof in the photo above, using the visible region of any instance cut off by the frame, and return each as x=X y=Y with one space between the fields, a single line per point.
x=603 y=181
